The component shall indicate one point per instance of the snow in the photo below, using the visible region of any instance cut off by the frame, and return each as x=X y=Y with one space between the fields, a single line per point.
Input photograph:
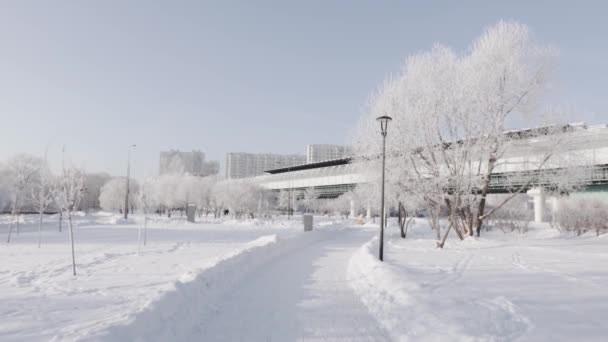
x=537 y=286
x=41 y=300
x=294 y=289
x=267 y=280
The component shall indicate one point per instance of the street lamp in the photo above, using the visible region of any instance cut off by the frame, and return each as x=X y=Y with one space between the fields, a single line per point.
x=128 y=176
x=384 y=120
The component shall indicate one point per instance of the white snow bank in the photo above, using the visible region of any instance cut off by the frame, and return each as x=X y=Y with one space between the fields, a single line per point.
x=535 y=286
x=410 y=311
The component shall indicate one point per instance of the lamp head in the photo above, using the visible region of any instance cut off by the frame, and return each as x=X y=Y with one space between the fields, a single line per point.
x=384 y=120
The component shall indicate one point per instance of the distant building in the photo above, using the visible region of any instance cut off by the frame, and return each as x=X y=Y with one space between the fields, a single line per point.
x=193 y=163
x=321 y=152
x=242 y=165
x=211 y=167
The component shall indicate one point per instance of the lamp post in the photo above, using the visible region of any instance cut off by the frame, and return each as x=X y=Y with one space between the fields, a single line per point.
x=384 y=120
x=128 y=176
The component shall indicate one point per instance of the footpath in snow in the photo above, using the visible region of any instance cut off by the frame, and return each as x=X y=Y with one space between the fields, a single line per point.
x=269 y=281
x=286 y=291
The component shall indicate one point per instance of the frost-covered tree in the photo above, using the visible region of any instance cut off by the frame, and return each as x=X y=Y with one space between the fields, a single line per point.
x=203 y=194
x=187 y=191
x=5 y=193
x=166 y=191
x=283 y=199
x=67 y=192
x=146 y=202
x=309 y=199
x=449 y=130
x=41 y=196
x=22 y=170
x=112 y=194
x=92 y=185
x=239 y=197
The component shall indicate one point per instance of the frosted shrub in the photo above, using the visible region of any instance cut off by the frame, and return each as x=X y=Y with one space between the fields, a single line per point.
x=513 y=216
x=582 y=215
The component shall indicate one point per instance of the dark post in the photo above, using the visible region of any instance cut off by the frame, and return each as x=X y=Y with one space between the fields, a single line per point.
x=383 y=127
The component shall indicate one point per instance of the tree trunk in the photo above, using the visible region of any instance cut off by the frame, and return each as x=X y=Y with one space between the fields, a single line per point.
x=401 y=219
x=10 y=229
x=484 y=192
x=407 y=224
x=442 y=243
x=72 y=241
x=452 y=210
x=10 y=225
x=40 y=228
x=139 y=240
x=145 y=229
x=60 y=219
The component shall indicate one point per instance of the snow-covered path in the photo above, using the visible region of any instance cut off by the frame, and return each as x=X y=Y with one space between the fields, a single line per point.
x=292 y=290
x=301 y=295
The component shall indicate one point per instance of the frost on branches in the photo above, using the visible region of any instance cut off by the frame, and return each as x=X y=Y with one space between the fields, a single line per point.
x=449 y=132
x=21 y=172
x=67 y=192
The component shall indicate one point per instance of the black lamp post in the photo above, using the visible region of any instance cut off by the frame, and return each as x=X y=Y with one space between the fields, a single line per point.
x=383 y=128
x=128 y=176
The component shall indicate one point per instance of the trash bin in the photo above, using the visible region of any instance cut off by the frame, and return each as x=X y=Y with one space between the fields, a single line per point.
x=307 y=220
x=190 y=212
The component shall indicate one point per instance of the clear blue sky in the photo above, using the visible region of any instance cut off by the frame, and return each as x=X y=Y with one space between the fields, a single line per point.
x=253 y=76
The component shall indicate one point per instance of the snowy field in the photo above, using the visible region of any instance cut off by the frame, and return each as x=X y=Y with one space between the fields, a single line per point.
x=41 y=300
x=269 y=281
x=539 y=286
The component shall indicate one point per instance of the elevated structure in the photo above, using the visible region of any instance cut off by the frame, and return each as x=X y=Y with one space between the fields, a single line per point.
x=587 y=148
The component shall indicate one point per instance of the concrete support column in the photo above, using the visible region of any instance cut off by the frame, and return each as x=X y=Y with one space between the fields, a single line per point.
x=554 y=206
x=353 y=210
x=539 y=203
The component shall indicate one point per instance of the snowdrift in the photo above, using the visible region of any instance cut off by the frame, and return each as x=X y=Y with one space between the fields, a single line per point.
x=411 y=311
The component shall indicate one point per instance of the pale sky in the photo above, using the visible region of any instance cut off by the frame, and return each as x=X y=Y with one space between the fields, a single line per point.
x=250 y=76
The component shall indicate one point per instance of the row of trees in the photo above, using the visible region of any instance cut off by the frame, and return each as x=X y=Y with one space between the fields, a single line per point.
x=210 y=195
x=28 y=180
x=26 y=184
x=449 y=132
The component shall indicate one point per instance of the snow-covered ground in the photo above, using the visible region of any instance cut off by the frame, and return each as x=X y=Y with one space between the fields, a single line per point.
x=539 y=286
x=41 y=300
x=269 y=281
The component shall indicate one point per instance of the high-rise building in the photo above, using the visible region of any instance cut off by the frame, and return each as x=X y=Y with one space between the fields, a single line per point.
x=242 y=165
x=193 y=163
x=321 y=152
x=211 y=167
